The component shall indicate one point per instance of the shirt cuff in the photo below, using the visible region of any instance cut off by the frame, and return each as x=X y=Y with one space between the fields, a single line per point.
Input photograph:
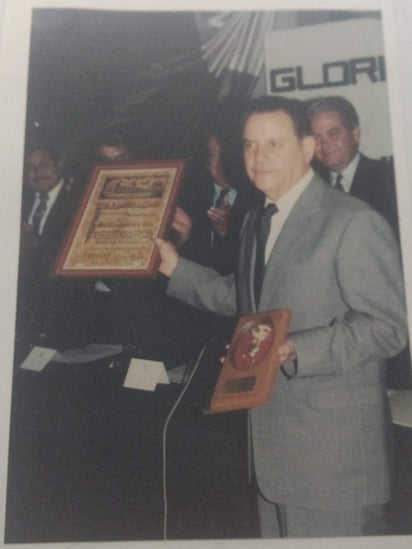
x=290 y=369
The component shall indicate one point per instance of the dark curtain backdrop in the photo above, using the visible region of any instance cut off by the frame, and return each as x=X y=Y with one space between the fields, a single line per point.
x=156 y=76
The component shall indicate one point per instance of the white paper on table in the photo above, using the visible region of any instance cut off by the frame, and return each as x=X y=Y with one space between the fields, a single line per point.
x=88 y=353
x=37 y=359
x=145 y=374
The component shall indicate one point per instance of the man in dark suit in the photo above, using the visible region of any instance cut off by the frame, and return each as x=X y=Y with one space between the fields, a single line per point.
x=216 y=196
x=320 y=444
x=335 y=126
x=49 y=310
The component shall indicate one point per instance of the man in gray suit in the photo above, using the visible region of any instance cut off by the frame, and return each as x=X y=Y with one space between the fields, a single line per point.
x=320 y=444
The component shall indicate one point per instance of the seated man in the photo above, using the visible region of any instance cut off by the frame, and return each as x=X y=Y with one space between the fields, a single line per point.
x=216 y=195
x=49 y=309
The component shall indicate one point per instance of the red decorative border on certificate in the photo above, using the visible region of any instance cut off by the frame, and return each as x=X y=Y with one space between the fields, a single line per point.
x=123 y=209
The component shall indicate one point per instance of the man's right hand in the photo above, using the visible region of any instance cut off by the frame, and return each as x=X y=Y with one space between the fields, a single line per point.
x=219 y=218
x=169 y=256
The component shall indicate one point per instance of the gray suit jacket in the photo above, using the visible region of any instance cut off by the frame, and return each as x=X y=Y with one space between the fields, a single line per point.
x=322 y=439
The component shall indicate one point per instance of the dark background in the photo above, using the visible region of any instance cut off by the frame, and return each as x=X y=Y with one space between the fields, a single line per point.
x=138 y=71
x=88 y=69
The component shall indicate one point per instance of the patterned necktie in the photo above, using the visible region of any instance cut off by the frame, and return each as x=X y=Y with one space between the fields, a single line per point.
x=221 y=198
x=263 y=223
x=338 y=183
x=39 y=212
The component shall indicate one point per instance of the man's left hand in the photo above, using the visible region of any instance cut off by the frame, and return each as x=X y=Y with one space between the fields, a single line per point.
x=219 y=218
x=287 y=352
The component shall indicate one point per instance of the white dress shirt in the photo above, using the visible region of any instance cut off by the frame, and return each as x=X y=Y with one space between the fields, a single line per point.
x=284 y=205
x=231 y=195
x=347 y=174
x=53 y=194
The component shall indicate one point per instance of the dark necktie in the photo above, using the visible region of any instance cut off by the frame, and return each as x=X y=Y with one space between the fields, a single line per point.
x=221 y=198
x=338 y=183
x=263 y=223
x=39 y=212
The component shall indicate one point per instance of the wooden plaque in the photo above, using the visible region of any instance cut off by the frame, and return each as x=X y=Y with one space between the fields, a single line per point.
x=123 y=208
x=251 y=364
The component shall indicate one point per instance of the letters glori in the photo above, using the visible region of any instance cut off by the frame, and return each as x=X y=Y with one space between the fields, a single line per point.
x=332 y=74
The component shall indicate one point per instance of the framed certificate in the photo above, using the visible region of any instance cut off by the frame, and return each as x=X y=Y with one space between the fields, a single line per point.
x=251 y=364
x=123 y=208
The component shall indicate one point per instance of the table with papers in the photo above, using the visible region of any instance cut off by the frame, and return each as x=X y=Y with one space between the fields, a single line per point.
x=86 y=454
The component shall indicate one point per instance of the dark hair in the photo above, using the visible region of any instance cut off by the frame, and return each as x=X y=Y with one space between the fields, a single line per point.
x=292 y=107
x=52 y=151
x=336 y=103
x=222 y=123
x=111 y=138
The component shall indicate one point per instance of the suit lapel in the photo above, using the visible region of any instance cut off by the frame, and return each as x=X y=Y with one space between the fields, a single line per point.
x=60 y=214
x=245 y=274
x=27 y=203
x=359 y=178
x=288 y=243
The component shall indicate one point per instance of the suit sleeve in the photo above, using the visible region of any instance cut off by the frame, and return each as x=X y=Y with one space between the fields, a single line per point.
x=374 y=327
x=203 y=288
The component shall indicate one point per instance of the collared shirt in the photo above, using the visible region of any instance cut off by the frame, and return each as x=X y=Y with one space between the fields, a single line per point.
x=285 y=205
x=347 y=174
x=53 y=194
x=231 y=195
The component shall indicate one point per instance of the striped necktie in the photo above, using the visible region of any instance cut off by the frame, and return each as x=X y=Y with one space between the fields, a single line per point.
x=39 y=212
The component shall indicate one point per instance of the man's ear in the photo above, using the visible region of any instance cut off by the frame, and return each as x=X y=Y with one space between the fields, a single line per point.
x=356 y=134
x=308 y=144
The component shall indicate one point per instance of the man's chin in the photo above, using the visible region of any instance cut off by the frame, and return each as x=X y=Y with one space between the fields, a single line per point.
x=263 y=185
x=330 y=163
x=42 y=185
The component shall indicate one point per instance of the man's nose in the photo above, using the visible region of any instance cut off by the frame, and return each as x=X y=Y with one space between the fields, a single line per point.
x=31 y=173
x=323 y=143
x=259 y=154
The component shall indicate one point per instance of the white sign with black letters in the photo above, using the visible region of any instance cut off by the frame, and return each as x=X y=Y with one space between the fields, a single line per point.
x=344 y=58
